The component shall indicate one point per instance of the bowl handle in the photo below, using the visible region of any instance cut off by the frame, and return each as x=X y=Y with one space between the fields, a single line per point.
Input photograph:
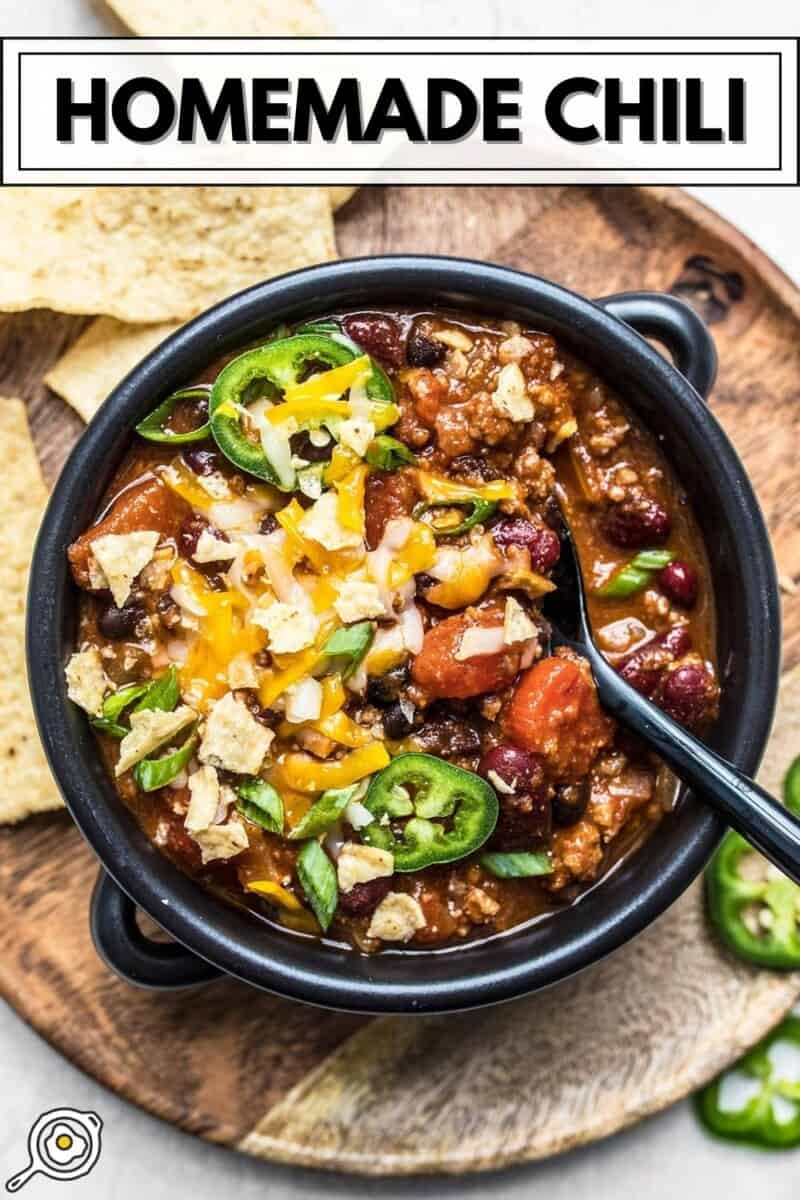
x=134 y=957
x=677 y=326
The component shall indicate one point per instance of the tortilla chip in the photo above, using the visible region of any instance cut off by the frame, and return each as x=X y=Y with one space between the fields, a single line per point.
x=26 y=785
x=340 y=195
x=108 y=349
x=153 y=254
x=100 y=358
x=215 y=18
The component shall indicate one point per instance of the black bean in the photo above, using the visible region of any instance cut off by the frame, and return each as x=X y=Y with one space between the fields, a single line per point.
x=422 y=351
x=383 y=690
x=569 y=803
x=117 y=624
x=399 y=720
x=303 y=447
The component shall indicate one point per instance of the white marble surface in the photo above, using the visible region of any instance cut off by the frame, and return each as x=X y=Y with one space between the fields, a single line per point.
x=662 y=1158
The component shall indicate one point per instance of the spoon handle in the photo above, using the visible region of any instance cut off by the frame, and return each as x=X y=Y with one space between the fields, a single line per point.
x=765 y=823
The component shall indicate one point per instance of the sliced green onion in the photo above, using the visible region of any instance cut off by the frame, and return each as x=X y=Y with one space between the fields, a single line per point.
x=482 y=510
x=387 y=453
x=115 y=704
x=635 y=575
x=522 y=864
x=163 y=693
x=324 y=813
x=652 y=560
x=112 y=728
x=326 y=327
x=154 y=773
x=318 y=880
x=260 y=803
x=154 y=427
x=350 y=643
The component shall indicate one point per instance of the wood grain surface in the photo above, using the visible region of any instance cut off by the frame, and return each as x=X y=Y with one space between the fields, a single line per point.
x=397 y=1096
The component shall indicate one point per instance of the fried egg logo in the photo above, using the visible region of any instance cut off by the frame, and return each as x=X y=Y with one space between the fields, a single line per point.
x=63 y=1144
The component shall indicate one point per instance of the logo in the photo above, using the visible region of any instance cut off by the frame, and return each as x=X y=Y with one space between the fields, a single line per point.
x=62 y=1144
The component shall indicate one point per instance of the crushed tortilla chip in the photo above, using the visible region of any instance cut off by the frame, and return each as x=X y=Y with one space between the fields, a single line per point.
x=102 y=356
x=108 y=349
x=153 y=254
x=26 y=785
x=215 y=18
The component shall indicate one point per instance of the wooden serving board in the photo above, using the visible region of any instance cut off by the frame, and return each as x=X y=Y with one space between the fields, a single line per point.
x=398 y=1096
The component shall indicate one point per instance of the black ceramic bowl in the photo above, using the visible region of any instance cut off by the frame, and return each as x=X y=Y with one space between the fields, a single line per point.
x=211 y=937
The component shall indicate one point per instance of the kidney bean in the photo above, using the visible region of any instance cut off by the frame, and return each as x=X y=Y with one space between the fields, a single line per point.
x=643 y=671
x=268 y=524
x=517 y=769
x=689 y=693
x=189 y=534
x=679 y=582
x=364 y=897
x=201 y=459
x=117 y=624
x=637 y=523
x=422 y=351
x=378 y=335
x=570 y=802
x=677 y=640
x=644 y=668
x=543 y=543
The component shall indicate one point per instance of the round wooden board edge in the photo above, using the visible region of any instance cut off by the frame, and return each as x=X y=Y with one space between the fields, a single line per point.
x=395 y=1166
x=287 y=1154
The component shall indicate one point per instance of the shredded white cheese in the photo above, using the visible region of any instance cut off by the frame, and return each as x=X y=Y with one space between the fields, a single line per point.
x=303 y=701
x=121 y=556
x=499 y=784
x=150 y=729
x=233 y=739
x=360 y=864
x=396 y=919
x=86 y=680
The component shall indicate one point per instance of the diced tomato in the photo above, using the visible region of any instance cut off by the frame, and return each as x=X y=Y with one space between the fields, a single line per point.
x=437 y=670
x=146 y=505
x=555 y=712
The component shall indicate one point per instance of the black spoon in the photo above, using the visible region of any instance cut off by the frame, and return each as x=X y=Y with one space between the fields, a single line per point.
x=765 y=823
